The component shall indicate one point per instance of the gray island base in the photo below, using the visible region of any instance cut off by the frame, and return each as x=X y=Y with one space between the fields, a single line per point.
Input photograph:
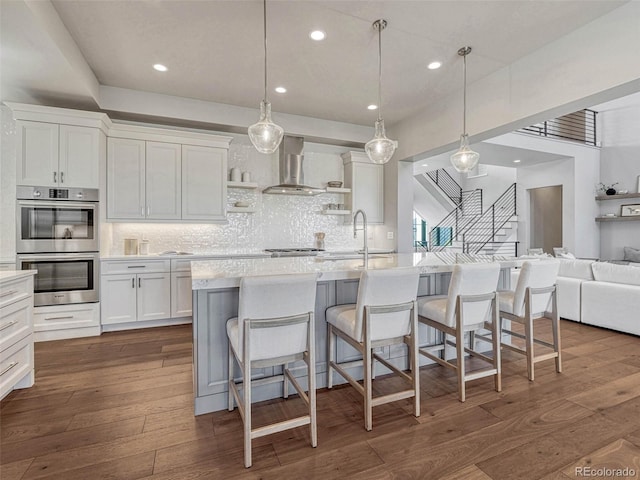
x=216 y=283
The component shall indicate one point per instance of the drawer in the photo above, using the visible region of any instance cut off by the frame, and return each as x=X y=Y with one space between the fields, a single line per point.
x=15 y=363
x=113 y=267
x=14 y=290
x=59 y=317
x=182 y=265
x=15 y=322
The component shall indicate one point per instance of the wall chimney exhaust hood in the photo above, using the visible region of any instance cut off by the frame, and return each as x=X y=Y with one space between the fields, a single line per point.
x=291 y=173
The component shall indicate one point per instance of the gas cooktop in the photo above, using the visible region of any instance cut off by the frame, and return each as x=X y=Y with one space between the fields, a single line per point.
x=293 y=252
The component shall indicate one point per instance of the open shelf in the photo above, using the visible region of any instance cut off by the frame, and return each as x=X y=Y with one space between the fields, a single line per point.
x=336 y=212
x=338 y=190
x=247 y=185
x=634 y=218
x=618 y=197
x=241 y=210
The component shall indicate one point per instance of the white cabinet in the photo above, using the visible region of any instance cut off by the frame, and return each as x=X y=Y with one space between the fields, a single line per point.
x=16 y=332
x=125 y=178
x=56 y=322
x=181 y=294
x=366 y=181
x=165 y=181
x=163 y=184
x=204 y=183
x=56 y=155
x=134 y=297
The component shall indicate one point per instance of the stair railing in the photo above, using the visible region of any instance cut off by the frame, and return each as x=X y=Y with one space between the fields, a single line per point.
x=447 y=184
x=456 y=222
x=483 y=231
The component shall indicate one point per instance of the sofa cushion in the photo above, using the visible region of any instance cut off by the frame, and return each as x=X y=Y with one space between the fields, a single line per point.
x=631 y=254
x=608 y=272
x=576 y=269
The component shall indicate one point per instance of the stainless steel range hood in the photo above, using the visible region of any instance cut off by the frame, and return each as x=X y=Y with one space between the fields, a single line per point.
x=291 y=173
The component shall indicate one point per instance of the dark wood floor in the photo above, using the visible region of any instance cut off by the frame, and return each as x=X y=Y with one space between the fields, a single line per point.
x=120 y=406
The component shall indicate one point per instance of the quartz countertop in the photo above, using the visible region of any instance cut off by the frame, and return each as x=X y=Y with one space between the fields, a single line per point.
x=213 y=254
x=15 y=274
x=211 y=274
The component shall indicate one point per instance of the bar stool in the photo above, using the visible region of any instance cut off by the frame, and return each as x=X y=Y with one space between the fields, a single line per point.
x=385 y=314
x=274 y=326
x=534 y=292
x=470 y=305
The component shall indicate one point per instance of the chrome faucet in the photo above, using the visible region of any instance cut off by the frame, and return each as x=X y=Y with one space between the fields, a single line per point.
x=364 y=230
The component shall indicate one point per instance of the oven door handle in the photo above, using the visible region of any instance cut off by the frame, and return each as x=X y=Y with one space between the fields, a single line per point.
x=62 y=204
x=66 y=256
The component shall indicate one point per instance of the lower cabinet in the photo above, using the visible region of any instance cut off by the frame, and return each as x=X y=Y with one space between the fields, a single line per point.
x=135 y=297
x=181 y=294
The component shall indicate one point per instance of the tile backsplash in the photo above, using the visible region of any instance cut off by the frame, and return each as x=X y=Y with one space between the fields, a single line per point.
x=279 y=220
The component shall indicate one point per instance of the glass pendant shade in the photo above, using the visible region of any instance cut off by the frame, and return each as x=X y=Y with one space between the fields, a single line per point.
x=265 y=135
x=465 y=159
x=380 y=149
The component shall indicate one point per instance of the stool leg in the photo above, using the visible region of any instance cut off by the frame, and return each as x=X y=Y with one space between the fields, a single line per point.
x=368 y=414
x=460 y=363
x=246 y=380
x=231 y=375
x=285 y=382
x=556 y=339
x=528 y=332
x=313 y=427
x=331 y=346
x=496 y=335
x=472 y=340
x=415 y=365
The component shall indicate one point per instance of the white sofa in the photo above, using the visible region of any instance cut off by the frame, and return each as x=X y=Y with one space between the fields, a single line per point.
x=612 y=300
x=572 y=276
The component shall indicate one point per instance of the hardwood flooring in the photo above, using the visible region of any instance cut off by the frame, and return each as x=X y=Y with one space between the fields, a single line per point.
x=120 y=406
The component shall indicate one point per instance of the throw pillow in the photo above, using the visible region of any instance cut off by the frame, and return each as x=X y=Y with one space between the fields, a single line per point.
x=566 y=255
x=631 y=254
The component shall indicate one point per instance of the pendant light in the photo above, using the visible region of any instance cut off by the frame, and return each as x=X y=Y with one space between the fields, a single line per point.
x=465 y=159
x=265 y=135
x=380 y=149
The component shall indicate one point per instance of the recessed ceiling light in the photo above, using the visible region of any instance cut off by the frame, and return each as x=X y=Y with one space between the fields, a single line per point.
x=317 y=35
x=372 y=107
x=517 y=161
x=159 y=67
x=281 y=90
x=425 y=164
x=434 y=65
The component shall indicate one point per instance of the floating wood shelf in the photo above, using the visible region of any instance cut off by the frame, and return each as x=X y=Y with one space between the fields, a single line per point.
x=634 y=218
x=247 y=185
x=241 y=210
x=336 y=212
x=618 y=197
x=338 y=190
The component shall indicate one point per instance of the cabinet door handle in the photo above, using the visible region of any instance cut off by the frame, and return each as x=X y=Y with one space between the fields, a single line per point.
x=6 y=294
x=8 y=324
x=59 y=318
x=139 y=282
x=11 y=365
x=133 y=283
x=136 y=266
x=55 y=177
x=61 y=177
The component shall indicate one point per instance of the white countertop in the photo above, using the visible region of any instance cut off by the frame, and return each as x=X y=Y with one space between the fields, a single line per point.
x=14 y=274
x=211 y=274
x=213 y=254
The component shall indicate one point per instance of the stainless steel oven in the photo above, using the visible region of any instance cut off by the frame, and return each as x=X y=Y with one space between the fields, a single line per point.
x=57 y=235
x=63 y=278
x=57 y=220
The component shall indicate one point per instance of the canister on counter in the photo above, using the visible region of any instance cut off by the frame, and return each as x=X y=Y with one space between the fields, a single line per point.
x=131 y=246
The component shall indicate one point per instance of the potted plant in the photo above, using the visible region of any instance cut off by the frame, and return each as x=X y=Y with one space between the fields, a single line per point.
x=608 y=189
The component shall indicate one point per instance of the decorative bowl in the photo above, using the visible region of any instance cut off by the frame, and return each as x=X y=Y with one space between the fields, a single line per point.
x=334 y=184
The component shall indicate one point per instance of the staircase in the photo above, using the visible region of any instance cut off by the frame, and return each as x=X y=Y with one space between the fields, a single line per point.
x=489 y=233
x=450 y=230
x=447 y=185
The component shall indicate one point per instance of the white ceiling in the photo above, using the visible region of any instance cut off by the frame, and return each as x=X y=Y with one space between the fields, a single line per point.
x=214 y=49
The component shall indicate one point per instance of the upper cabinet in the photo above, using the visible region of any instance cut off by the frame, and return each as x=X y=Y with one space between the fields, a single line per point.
x=366 y=181
x=59 y=147
x=158 y=175
x=56 y=155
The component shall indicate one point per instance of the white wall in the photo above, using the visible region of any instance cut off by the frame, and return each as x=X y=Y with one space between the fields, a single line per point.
x=494 y=184
x=280 y=220
x=619 y=162
x=7 y=186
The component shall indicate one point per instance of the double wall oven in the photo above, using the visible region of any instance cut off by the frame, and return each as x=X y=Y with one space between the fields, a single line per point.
x=57 y=235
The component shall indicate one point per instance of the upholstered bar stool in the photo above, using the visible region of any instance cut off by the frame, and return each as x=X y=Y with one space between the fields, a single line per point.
x=535 y=291
x=385 y=314
x=274 y=326
x=470 y=305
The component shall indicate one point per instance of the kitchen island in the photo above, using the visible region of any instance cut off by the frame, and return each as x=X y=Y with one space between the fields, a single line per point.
x=215 y=299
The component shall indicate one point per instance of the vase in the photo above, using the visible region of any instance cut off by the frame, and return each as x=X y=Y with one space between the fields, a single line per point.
x=610 y=191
